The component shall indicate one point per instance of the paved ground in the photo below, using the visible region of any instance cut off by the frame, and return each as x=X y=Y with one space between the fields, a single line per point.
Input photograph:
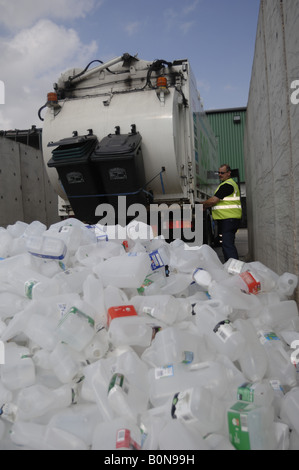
x=241 y=244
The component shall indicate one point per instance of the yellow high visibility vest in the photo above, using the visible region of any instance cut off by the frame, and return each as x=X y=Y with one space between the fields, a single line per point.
x=229 y=207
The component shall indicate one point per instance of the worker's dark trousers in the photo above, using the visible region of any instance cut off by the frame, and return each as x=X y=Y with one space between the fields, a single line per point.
x=228 y=229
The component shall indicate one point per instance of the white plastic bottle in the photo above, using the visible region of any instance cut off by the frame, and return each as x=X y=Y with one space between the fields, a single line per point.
x=46 y=247
x=98 y=346
x=260 y=393
x=208 y=259
x=133 y=331
x=10 y=304
x=173 y=344
x=169 y=379
x=37 y=400
x=5 y=242
x=125 y=397
x=76 y=327
x=251 y=427
x=201 y=407
x=93 y=294
x=176 y=283
x=235 y=298
x=71 y=280
x=79 y=420
x=202 y=277
x=286 y=285
x=167 y=308
x=125 y=271
x=66 y=363
x=41 y=329
x=280 y=366
x=121 y=433
x=289 y=413
x=31 y=284
x=219 y=330
x=19 y=369
x=280 y=316
x=218 y=442
x=253 y=359
x=34 y=436
x=177 y=434
x=261 y=273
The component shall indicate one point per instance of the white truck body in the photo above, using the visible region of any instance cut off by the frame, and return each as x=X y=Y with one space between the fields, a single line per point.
x=169 y=117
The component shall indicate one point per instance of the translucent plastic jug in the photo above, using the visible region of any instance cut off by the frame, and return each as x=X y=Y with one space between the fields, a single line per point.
x=117 y=434
x=166 y=308
x=280 y=366
x=251 y=427
x=124 y=271
x=133 y=331
x=286 y=284
x=76 y=327
x=171 y=345
x=201 y=407
x=19 y=369
x=219 y=330
x=34 y=436
x=260 y=393
x=170 y=379
x=253 y=359
x=290 y=409
x=66 y=363
x=179 y=435
x=37 y=400
x=46 y=247
x=279 y=316
x=32 y=284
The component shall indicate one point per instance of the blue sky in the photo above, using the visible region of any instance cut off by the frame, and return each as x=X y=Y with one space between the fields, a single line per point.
x=40 y=39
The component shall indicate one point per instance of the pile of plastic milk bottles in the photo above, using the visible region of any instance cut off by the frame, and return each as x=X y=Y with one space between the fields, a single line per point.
x=111 y=338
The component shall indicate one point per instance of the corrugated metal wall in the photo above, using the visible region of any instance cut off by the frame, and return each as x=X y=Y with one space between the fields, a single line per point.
x=228 y=126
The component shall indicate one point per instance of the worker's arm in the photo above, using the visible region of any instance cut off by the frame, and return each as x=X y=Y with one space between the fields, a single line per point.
x=212 y=201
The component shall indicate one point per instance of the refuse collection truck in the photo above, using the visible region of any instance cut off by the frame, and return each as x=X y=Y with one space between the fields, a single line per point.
x=128 y=129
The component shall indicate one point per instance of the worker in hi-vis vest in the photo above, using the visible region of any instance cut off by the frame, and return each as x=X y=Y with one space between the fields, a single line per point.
x=226 y=210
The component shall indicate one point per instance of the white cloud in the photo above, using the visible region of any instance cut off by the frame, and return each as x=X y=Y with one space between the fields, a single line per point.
x=31 y=62
x=190 y=8
x=132 y=28
x=185 y=27
x=177 y=19
x=17 y=14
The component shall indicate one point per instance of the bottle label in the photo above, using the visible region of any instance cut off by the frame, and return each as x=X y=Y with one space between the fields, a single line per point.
x=252 y=283
x=29 y=286
x=79 y=313
x=164 y=371
x=235 y=266
x=188 y=357
x=181 y=406
x=124 y=440
x=265 y=336
x=237 y=418
x=246 y=392
x=277 y=387
x=156 y=260
x=224 y=330
x=147 y=282
x=119 y=380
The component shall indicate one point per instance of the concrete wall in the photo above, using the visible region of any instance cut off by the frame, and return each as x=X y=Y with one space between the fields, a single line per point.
x=272 y=140
x=25 y=191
